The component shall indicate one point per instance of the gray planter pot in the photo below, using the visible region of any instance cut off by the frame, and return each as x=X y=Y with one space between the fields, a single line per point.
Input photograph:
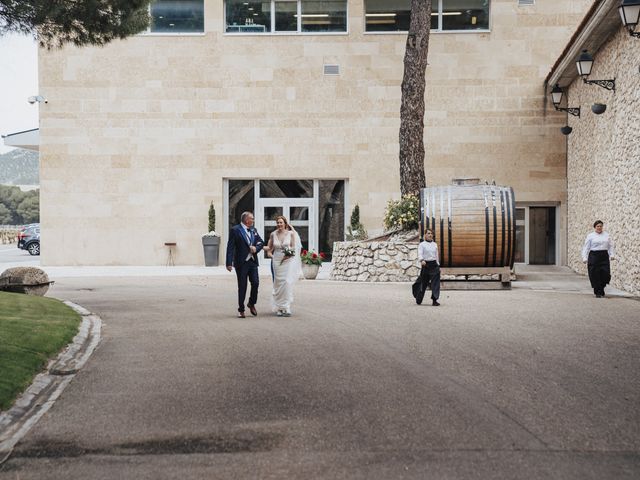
x=211 y=247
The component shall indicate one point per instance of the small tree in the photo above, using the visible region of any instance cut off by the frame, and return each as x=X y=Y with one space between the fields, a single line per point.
x=212 y=218
x=356 y=230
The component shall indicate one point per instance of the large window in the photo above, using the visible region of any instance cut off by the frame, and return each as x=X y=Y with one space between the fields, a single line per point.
x=286 y=16
x=177 y=16
x=446 y=15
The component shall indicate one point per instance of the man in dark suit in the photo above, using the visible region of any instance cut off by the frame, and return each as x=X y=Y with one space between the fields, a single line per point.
x=242 y=253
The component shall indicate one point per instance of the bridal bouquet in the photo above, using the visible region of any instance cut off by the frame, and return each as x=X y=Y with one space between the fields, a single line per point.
x=288 y=252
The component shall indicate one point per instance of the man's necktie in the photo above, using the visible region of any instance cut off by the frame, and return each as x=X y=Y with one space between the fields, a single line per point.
x=251 y=237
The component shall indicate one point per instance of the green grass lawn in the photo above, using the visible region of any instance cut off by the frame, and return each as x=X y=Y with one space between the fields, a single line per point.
x=32 y=330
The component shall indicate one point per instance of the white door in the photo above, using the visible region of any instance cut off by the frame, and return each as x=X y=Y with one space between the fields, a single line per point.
x=299 y=211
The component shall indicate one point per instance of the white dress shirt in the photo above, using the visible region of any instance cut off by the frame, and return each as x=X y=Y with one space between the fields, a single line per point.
x=428 y=251
x=598 y=242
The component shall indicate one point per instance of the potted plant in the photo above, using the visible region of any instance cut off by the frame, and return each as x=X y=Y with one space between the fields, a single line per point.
x=311 y=262
x=211 y=241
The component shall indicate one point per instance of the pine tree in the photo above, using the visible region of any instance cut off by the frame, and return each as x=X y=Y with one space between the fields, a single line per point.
x=412 y=177
x=79 y=22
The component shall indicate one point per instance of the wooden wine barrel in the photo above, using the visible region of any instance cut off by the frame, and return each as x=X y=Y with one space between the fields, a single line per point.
x=473 y=225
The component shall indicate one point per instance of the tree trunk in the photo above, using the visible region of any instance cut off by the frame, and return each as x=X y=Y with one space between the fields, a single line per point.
x=412 y=177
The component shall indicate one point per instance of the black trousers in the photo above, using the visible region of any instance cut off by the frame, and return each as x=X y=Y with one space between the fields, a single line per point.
x=429 y=278
x=599 y=270
x=248 y=270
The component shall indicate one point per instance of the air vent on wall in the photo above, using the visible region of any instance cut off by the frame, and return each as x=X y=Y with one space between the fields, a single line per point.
x=524 y=3
x=332 y=69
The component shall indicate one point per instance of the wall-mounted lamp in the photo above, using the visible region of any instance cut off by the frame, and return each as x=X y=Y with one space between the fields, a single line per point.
x=556 y=98
x=37 y=99
x=584 y=65
x=629 y=13
x=598 y=108
x=566 y=130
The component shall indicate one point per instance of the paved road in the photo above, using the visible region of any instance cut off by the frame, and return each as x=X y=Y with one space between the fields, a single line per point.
x=12 y=255
x=359 y=383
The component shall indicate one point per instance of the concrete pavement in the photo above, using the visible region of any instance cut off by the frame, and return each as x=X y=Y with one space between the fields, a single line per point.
x=537 y=382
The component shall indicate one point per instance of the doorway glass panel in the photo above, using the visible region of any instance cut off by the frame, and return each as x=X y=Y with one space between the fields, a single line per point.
x=286 y=188
x=270 y=213
x=542 y=235
x=241 y=199
x=520 y=235
x=331 y=216
x=299 y=213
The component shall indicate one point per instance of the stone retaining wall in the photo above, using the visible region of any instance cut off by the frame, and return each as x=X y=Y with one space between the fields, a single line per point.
x=375 y=261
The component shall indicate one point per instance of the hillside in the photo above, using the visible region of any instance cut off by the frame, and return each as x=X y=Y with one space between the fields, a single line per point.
x=19 y=167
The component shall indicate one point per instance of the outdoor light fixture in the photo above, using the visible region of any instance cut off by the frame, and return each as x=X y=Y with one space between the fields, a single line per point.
x=584 y=64
x=566 y=130
x=37 y=99
x=598 y=108
x=629 y=13
x=556 y=98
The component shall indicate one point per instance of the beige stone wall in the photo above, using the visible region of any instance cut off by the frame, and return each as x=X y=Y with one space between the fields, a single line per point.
x=138 y=136
x=604 y=160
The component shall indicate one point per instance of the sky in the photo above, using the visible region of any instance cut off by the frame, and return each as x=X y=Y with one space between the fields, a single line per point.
x=18 y=81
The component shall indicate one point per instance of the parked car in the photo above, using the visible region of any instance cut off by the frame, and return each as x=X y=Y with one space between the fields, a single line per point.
x=29 y=238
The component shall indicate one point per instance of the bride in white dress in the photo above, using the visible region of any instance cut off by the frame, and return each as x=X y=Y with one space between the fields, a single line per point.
x=284 y=246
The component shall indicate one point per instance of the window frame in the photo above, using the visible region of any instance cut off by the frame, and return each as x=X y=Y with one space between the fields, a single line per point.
x=275 y=33
x=438 y=30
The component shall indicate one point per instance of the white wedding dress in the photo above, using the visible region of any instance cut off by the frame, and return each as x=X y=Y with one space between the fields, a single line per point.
x=285 y=272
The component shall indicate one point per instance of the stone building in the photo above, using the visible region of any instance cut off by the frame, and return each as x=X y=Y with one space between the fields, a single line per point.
x=603 y=151
x=293 y=107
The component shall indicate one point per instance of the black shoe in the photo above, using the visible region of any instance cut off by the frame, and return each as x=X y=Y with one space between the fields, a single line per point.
x=435 y=303
x=598 y=296
x=252 y=309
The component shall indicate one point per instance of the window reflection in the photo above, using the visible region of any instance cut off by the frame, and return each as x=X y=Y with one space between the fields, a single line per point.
x=286 y=188
x=395 y=15
x=248 y=17
x=465 y=14
x=320 y=16
x=286 y=16
x=240 y=200
x=183 y=16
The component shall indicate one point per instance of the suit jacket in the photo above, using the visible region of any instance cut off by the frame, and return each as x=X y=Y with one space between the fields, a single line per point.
x=238 y=246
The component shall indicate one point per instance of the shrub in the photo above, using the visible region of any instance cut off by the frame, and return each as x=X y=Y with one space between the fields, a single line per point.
x=402 y=214
x=356 y=231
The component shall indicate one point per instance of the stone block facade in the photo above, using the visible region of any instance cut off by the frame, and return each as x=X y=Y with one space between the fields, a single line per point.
x=604 y=160
x=138 y=136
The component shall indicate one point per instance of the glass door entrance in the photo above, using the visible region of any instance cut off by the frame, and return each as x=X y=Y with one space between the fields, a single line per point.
x=299 y=211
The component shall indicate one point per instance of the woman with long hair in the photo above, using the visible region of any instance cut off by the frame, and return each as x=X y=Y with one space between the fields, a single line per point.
x=284 y=247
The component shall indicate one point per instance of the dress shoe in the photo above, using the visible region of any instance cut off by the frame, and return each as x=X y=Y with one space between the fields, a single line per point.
x=435 y=303
x=598 y=296
x=252 y=309
x=279 y=313
x=241 y=315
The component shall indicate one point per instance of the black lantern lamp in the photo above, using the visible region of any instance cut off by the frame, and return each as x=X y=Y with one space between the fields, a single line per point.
x=566 y=130
x=556 y=98
x=629 y=13
x=585 y=64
